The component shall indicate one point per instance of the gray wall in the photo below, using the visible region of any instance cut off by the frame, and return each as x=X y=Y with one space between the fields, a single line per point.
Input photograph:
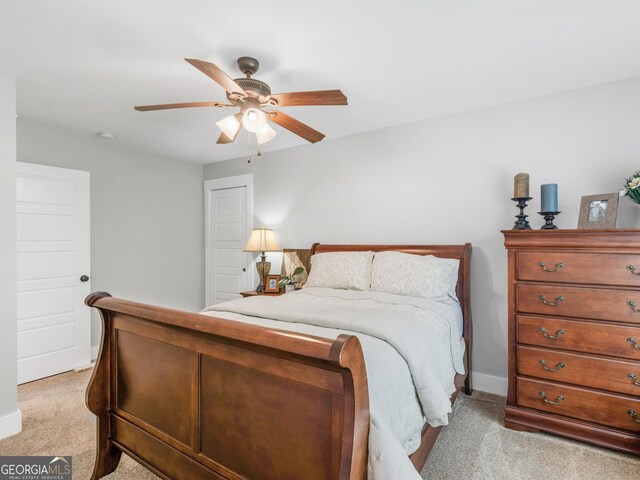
x=147 y=233
x=8 y=324
x=449 y=180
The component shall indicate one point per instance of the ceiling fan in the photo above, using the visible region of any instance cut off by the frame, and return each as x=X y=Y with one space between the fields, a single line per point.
x=256 y=103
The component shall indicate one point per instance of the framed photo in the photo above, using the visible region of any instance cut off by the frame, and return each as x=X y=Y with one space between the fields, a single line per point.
x=271 y=284
x=599 y=211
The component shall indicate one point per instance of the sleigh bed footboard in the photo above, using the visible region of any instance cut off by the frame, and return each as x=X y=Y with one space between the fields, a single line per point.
x=195 y=397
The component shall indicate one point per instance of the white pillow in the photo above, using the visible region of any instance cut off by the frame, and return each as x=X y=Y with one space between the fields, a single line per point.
x=422 y=276
x=346 y=270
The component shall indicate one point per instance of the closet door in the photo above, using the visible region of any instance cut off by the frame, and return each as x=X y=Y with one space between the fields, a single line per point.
x=53 y=257
x=229 y=270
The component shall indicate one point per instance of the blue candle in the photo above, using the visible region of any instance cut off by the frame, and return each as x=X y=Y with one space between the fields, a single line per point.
x=549 y=195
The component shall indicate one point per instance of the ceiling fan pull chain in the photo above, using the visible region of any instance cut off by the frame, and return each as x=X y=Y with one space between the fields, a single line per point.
x=249 y=145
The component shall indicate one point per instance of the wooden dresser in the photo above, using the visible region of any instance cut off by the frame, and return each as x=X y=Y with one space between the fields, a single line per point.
x=574 y=335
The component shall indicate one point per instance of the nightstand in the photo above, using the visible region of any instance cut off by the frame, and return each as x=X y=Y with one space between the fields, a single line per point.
x=253 y=293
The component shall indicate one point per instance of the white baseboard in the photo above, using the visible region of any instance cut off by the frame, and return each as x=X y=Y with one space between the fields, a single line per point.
x=94 y=352
x=489 y=383
x=83 y=368
x=10 y=424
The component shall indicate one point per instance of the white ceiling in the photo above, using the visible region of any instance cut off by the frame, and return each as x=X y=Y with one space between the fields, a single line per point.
x=82 y=65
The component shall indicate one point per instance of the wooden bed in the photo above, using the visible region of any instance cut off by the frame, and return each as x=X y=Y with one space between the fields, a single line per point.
x=190 y=396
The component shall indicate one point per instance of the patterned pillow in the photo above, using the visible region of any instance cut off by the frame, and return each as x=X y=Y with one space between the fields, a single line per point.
x=346 y=270
x=422 y=276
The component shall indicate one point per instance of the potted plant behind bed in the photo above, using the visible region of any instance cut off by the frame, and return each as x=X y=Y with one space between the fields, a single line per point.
x=288 y=282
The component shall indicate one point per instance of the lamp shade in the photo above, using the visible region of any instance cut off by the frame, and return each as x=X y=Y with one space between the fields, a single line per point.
x=265 y=134
x=254 y=119
x=262 y=240
x=230 y=125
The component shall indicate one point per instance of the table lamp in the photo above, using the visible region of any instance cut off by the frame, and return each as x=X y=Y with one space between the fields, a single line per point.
x=262 y=240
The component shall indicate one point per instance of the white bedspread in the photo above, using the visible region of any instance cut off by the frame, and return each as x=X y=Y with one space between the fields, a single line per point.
x=412 y=351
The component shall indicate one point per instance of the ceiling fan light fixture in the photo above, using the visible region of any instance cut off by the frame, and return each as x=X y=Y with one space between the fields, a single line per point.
x=229 y=126
x=265 y=134
x=254 y=120
x=250 y=96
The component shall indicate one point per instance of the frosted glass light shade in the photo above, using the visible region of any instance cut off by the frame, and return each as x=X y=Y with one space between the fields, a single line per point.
x=254 y=120
x=262 y=240
x=229 y=126
x=265 y=134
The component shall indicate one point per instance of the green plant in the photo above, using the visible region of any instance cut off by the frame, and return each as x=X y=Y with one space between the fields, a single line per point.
x=291 y=279
x=632 y=187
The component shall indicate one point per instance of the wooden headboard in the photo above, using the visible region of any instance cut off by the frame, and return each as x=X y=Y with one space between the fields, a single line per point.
x=459 y=252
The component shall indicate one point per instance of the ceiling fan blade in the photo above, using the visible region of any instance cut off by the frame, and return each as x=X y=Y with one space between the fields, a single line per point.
x=295 y=126
x=223 y=139
x=217 y=75
x=146 y=108
x=319 y=97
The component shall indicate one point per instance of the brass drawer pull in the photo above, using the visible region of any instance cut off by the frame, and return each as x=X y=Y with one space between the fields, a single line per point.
x=632 y=305
x=634 y=415
x=634 y=379
x=559 y=365
x=558 y=267
x=543 y=331
x=559 y=398
x=633 y=269
x=558 y=301
x=633 y=343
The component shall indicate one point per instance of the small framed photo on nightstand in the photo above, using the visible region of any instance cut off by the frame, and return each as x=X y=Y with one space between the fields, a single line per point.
x=271 y=284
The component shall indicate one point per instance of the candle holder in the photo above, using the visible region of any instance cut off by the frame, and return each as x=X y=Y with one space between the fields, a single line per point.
x=521 y=223
x=548 y=220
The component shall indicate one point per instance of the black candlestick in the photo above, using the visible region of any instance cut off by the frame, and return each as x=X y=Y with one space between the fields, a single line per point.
x=521 y=223
x=548 y=219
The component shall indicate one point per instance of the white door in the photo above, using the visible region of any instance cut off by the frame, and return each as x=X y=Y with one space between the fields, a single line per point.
x=228 y=228
x=54 y=325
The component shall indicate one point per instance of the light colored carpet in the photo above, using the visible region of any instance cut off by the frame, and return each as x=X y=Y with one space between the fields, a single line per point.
x=56 y=421
x=475 y=445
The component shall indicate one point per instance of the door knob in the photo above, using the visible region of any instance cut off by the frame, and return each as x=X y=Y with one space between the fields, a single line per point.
x=84 y=278
x=244 y=269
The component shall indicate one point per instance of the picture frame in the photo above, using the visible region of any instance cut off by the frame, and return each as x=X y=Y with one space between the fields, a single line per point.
x=598 y=211
x=271 y=284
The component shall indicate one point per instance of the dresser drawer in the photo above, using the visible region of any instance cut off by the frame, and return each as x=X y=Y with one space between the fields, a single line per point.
x=567 y=267
x=596 y=303
x=589 y=405
x=600 y=338
x=589 y=371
